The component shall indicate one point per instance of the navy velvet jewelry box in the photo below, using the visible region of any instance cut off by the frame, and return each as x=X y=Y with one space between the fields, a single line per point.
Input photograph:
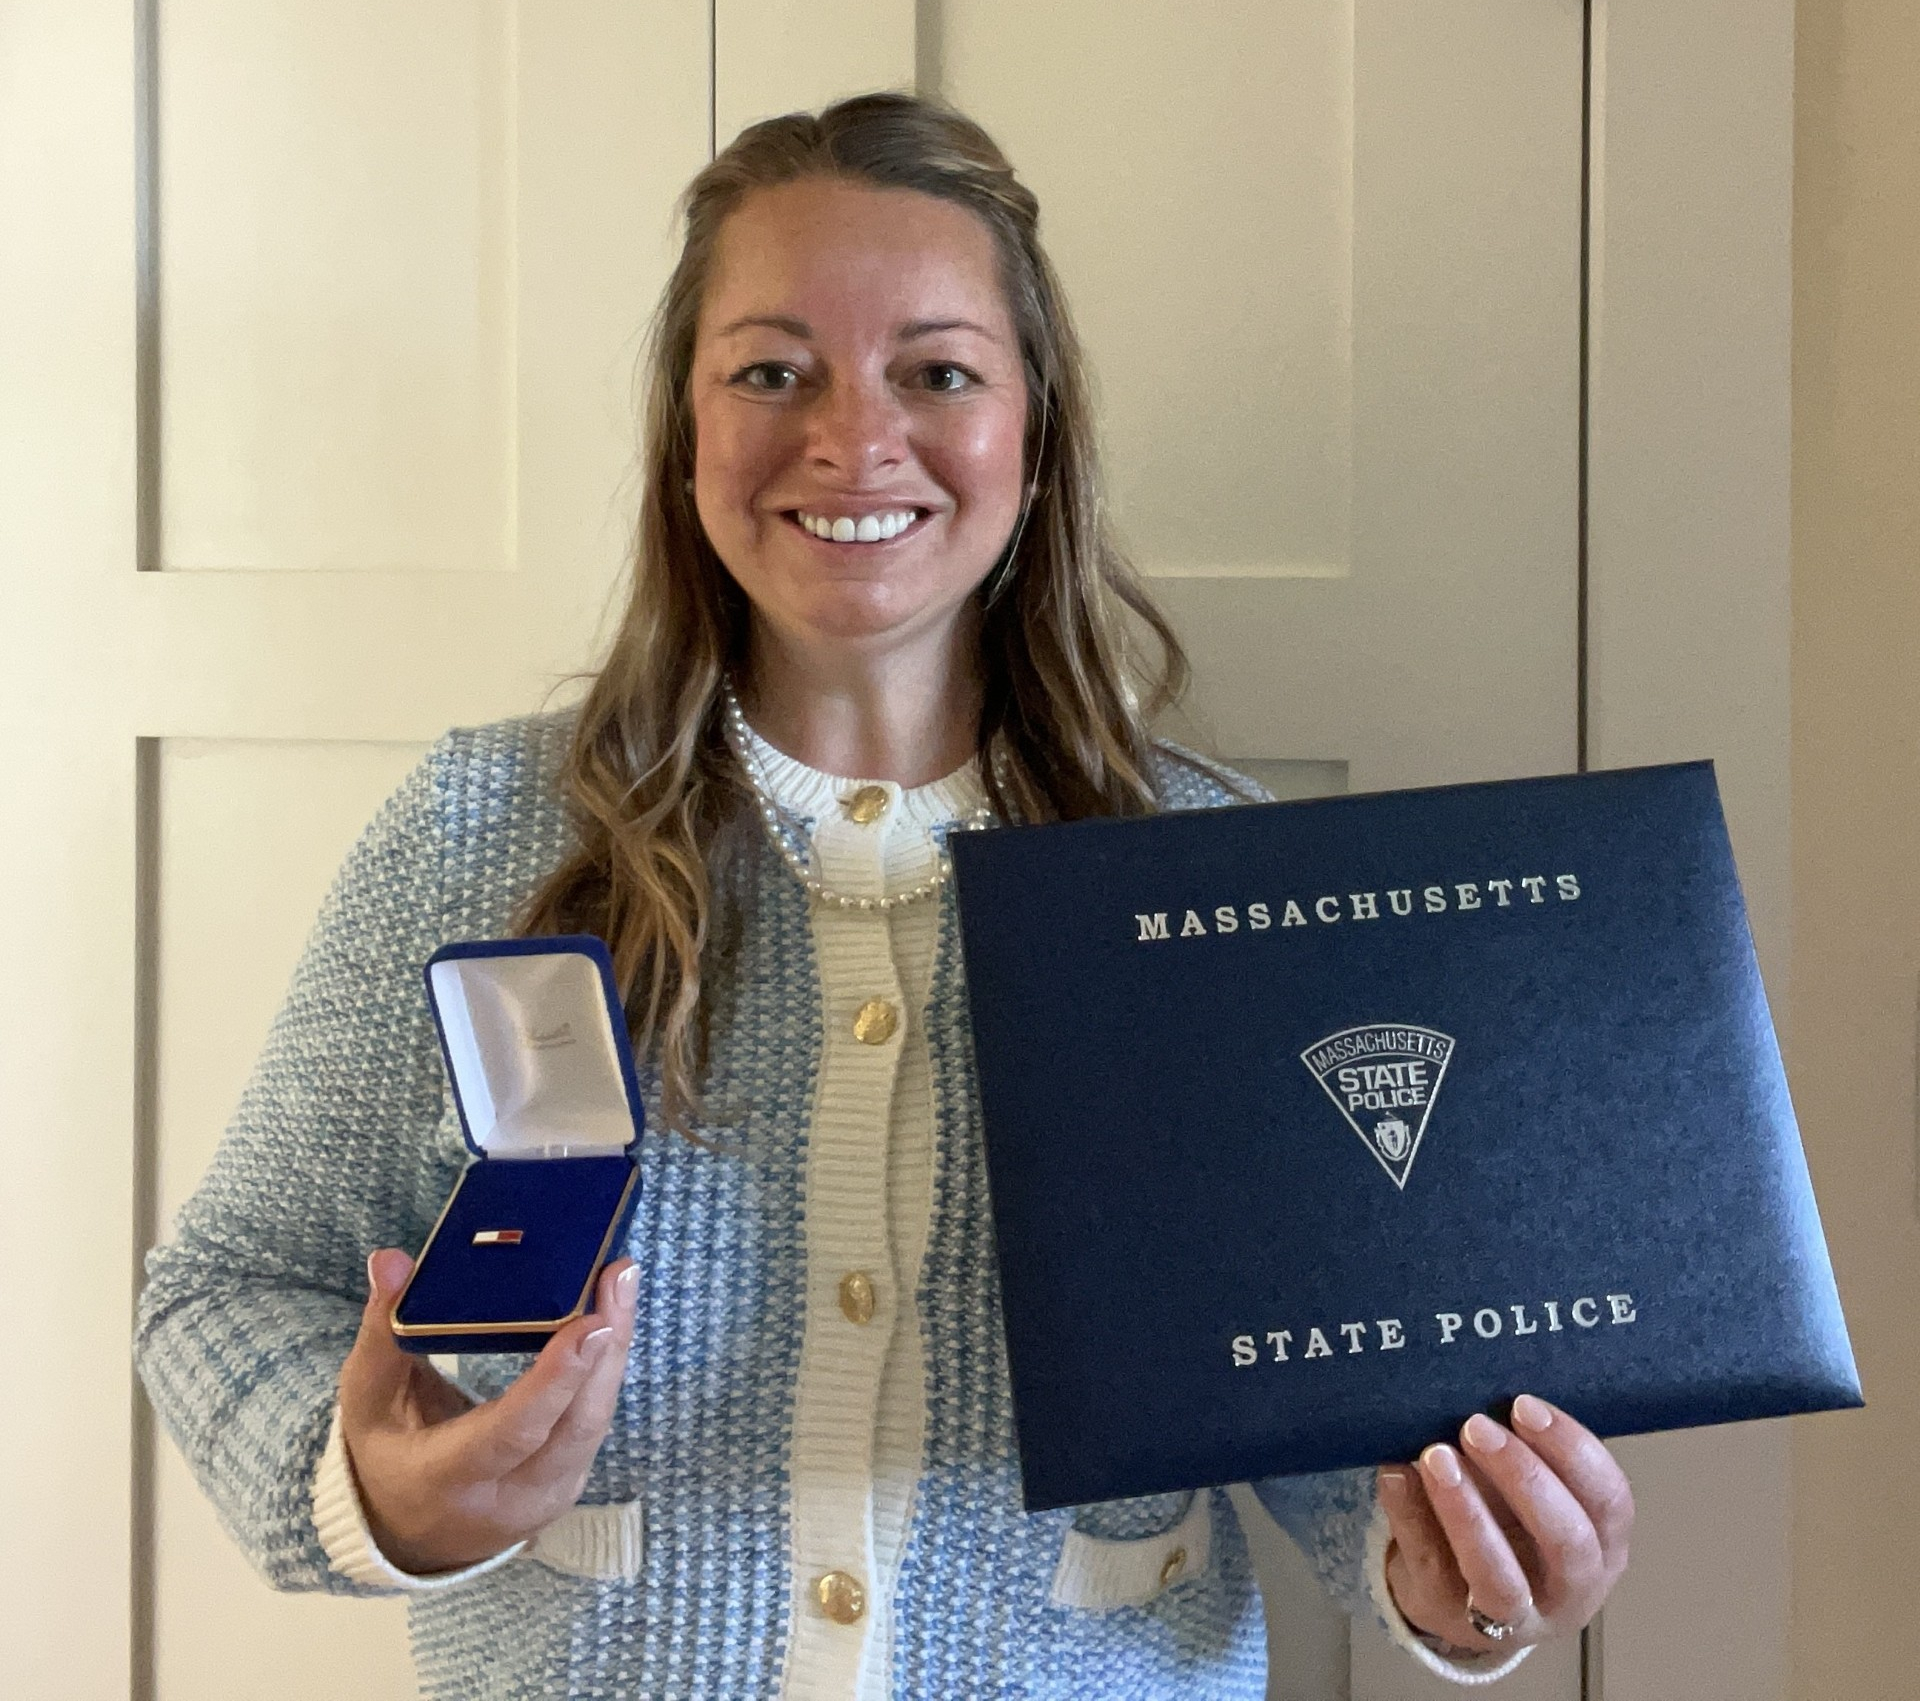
x=1313 y=1128
x=536 y=1048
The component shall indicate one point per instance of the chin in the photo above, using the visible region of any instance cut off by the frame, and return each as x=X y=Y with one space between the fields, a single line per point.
x=872 y=613
x=849 y=621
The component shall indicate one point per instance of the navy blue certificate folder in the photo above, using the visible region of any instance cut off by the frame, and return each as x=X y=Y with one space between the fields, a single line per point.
x=1313 y=1128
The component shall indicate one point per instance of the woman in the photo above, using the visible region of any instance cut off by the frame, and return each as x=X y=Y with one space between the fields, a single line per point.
x=874 y=602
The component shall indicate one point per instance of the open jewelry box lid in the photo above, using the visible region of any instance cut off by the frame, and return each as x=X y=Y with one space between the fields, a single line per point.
x=535 y=1042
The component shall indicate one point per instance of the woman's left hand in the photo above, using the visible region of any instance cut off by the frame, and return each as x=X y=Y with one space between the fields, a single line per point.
x=1528 y=1526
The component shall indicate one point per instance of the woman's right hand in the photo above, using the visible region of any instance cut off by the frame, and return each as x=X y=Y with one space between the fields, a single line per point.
x=446 y=1483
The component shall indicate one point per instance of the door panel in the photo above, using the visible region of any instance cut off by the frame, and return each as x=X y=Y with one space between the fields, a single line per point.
x=335 y=206
x=1326 y=262
x=248 y=835
x=1197 y=196
x=402 y=262
x=327 y=318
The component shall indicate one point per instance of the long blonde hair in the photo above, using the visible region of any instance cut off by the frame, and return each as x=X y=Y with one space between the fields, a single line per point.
x=649 y=781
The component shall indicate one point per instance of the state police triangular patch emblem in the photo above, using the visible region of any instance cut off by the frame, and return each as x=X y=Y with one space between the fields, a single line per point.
x=1383 y=1078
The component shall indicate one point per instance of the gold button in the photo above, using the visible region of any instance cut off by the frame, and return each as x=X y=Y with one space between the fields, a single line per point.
x=841 y=1598
x=866 y=805
x=1176 y=1563
x=874 y=1022
x=856 y=1296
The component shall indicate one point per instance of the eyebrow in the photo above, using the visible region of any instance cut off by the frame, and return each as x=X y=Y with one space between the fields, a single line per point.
x=928 y=327
x=772 y=322
x=909 y=332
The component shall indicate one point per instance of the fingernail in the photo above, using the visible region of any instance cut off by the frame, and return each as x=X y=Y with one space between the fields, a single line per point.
x=373 y=1281
x=1393 y=1486
x=595 y=1344
x=1482 y=1434
x=1442 y=1464
x=627 y=1284
x=1533 y=1414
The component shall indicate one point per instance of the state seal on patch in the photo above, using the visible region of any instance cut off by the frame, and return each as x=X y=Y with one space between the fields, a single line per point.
x=1383 y=1077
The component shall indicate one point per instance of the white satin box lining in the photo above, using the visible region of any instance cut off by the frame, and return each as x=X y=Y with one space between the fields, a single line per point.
x=533 y=1055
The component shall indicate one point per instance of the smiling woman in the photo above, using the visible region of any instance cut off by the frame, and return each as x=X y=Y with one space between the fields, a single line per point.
x=857 y=383
x=874 y=601
x=862 y=323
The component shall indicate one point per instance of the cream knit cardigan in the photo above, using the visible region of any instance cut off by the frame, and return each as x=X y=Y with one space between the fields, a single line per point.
x=766 y=1435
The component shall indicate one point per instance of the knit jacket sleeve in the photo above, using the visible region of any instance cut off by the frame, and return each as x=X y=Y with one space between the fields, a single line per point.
x=249 y=1312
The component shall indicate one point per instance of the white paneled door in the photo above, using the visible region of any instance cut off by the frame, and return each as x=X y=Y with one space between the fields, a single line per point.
x=319 y=325
x=1326 y=258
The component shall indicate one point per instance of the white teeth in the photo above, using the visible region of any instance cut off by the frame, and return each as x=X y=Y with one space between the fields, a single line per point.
x=869 y=528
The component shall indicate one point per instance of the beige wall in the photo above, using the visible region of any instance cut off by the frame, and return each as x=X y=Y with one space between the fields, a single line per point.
x=1856 y=822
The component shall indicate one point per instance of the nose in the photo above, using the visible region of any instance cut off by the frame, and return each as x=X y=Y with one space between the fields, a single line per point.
x=856 y=429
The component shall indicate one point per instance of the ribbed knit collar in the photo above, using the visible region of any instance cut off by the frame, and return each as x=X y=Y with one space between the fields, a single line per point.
x=808 y=792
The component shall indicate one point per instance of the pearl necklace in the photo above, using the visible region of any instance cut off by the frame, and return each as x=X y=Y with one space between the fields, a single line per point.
x=740 y=737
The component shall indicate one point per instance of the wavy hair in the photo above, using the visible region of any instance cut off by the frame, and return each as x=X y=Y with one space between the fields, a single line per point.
x=650 y=784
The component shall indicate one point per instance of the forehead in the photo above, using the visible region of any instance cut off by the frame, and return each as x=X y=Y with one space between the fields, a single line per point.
x=850 y=258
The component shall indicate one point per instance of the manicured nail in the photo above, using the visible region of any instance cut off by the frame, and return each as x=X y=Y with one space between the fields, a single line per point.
x=1483 y=1435
x=1442 y=1464
x=1533 y=1414
x=1393 y=1487
x=595 y=1344
x=627 y=1284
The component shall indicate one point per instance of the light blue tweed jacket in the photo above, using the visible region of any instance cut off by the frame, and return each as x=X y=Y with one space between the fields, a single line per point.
x=345 y=1140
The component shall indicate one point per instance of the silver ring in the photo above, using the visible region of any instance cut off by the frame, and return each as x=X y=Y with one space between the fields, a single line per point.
x=1494 y=1629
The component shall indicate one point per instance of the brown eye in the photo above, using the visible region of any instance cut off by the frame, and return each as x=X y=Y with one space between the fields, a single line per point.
x=770 y=377
x=946 y=379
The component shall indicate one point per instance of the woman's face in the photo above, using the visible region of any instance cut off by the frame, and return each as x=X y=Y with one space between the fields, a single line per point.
x=859 y=411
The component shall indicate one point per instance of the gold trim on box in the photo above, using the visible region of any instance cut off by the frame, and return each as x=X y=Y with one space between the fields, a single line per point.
x=548 y=1325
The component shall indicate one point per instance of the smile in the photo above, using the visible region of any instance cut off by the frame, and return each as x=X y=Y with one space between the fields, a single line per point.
x=865 y=528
